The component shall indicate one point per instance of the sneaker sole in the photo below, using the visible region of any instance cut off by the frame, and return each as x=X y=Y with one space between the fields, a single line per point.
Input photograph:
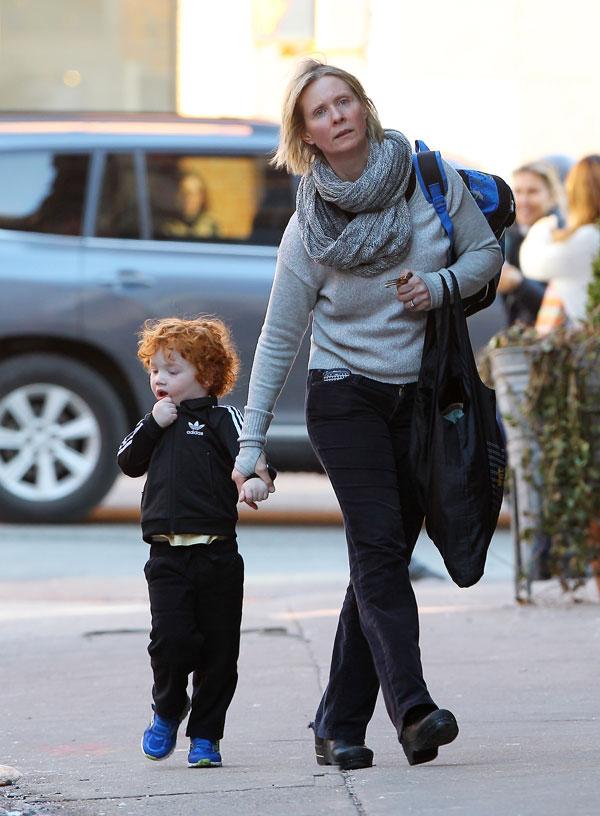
x=153 y=758
x=205 y=763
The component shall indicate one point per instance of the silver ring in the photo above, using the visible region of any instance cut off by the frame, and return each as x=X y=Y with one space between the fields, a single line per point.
x=411 y=303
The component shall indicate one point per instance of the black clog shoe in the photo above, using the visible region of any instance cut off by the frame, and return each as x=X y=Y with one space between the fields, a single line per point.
x=346 y=755
x=421 y=739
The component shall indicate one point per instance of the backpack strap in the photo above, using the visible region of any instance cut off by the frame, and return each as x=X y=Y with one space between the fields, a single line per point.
x=431 y=175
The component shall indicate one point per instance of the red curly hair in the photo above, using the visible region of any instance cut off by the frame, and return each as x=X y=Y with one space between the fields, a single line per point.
x=204 y=341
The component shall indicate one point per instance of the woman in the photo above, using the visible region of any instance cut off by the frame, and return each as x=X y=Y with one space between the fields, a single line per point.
x=538 y=193
x=564 y=257
x=192 y=219
x=356 y=226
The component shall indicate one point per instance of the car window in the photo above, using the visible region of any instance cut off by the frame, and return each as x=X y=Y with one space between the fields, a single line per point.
x=118 y=207
x=42 y=191
x=227 y=199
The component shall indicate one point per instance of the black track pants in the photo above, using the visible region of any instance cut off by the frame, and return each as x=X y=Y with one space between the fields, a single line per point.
x=360 y=430
x=196 y=603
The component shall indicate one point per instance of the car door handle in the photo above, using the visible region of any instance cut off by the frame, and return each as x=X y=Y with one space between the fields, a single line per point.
x=133 y=278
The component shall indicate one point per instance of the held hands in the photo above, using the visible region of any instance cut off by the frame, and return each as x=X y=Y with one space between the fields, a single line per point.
x=249 y=491
x=164 y=412
x=412 y=292
x=254 y=490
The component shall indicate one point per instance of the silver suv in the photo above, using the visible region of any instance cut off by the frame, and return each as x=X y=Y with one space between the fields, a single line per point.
x=104 y=222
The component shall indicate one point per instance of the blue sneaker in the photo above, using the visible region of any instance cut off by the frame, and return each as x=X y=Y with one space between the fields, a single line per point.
x=204 y=754
x=160 y=737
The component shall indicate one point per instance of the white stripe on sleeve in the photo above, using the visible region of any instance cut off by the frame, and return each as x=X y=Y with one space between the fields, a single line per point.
x=129 y=438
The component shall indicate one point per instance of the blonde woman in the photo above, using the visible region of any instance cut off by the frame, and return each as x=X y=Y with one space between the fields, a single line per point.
x=363 y=254
x=538 y=193
x=564 y=257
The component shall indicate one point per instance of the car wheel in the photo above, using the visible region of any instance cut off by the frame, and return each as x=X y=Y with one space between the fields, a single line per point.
x=60 y=425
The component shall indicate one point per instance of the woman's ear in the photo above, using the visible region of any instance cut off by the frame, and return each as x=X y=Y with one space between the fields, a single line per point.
x=308 y=139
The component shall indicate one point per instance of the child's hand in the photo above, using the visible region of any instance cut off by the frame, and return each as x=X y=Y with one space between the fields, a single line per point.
x=165 y=412
x=254 y=490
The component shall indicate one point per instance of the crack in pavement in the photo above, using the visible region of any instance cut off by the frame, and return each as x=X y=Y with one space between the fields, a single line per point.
x=346 y=776
x=140 y=796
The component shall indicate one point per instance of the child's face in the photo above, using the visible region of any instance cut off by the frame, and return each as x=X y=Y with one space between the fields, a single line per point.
x=173 y=376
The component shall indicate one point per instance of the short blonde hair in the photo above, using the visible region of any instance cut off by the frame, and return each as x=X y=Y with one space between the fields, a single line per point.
x=548 y=175
x=293 y=153
x=204 y=341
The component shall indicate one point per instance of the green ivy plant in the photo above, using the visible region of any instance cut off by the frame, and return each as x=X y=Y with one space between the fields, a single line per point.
x=563 y=406
x=558 y=409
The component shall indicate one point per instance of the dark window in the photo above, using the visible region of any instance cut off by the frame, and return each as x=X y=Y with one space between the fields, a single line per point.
x=42 y=192
x=228 y=199
x=118 y=208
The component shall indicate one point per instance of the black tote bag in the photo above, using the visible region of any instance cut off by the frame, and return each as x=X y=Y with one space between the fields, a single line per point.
x=457 y=451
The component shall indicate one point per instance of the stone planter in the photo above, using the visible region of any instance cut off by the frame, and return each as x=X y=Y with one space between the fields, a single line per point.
x=511 y=367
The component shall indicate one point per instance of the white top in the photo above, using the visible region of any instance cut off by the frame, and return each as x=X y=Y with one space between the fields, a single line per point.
x=568 y=263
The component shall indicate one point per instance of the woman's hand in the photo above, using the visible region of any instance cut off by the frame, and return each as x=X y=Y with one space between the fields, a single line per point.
x=412 y=292
x=510 y=279
x=262 y=472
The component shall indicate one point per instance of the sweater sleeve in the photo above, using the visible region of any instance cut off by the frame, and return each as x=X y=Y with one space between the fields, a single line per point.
x=478 y=254
x=135 y=451
x=290 y=305
x=228 y=430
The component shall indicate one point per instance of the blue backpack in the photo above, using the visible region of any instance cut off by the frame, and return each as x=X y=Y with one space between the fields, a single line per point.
x=493 y=196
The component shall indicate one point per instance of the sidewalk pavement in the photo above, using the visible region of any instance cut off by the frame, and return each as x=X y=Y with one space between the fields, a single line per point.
x=300 y=498
x=522 y=681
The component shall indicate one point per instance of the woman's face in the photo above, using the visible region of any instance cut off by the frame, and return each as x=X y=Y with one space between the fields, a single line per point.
x=533 y=198
x=192 y=196
x=334 y=119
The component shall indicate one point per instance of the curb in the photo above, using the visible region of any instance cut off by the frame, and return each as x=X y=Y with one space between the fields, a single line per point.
x=262 y=517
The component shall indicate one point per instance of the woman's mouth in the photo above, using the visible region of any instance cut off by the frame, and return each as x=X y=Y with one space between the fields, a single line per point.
x=342 y=133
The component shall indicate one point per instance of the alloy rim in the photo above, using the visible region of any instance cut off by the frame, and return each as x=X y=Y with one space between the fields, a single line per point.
x=50 y=442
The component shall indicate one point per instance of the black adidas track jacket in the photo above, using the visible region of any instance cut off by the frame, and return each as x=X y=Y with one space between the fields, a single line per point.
x=188 y=464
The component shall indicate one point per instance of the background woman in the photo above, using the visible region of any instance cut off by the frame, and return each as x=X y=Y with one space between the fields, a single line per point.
x=564 y=257
x=356 y=226
x=538 y=193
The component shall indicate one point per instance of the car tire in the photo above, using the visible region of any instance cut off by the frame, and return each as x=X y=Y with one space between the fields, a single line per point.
x=60 y=425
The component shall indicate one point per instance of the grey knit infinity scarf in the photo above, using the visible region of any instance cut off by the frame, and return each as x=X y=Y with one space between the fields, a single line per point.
x=378 y=236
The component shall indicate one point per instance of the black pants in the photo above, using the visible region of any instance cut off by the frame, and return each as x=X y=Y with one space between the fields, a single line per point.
x=196 y=603
x=360 y=430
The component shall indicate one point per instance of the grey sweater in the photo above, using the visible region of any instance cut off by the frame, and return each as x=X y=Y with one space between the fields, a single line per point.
x=357 y=323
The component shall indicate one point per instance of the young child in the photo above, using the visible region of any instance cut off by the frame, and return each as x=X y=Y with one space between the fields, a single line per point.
x=187 y=446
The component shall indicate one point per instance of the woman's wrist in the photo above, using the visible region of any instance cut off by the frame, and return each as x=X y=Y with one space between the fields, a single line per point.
x=247 y=458
x=255 y=426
